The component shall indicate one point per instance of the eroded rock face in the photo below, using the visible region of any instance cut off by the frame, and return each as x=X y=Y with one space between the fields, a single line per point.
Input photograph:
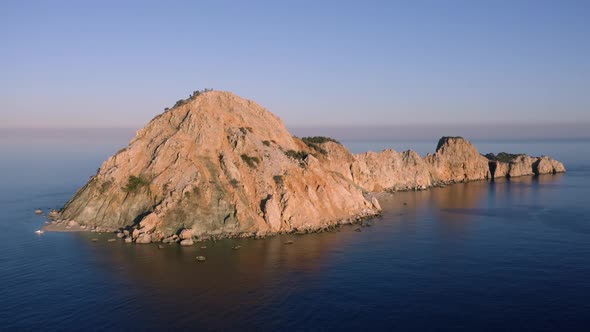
x=457 y=160
x=218 y=165
x=391 y=170
x=223 y=166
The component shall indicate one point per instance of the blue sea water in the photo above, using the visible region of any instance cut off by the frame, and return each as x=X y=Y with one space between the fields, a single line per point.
x=509 y=255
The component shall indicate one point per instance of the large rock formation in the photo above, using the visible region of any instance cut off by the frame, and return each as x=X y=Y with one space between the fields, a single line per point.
x=222 y=166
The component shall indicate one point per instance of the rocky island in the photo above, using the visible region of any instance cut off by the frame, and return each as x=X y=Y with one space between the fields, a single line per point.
x=217 y=165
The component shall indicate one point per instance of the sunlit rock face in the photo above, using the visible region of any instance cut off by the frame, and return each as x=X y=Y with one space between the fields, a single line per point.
x=222 y=166
x=457 y=160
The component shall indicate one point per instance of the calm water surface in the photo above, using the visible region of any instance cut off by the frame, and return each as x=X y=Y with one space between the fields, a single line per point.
x=477 y=256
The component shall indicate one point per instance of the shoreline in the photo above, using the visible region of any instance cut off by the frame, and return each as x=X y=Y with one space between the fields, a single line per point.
x=66 y=226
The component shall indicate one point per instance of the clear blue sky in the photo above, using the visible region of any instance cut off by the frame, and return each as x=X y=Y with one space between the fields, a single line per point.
x=118 y=63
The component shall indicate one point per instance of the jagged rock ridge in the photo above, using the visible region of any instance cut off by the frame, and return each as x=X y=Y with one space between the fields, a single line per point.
x=222 y=166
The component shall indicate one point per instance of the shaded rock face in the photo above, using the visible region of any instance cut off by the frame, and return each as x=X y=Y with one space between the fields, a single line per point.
x=222 y=166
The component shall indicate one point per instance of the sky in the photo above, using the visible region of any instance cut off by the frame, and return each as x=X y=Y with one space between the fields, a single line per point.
x=94 y=64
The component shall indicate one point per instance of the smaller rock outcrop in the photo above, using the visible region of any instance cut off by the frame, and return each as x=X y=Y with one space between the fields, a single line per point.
x=457 y=160
x=513 y=165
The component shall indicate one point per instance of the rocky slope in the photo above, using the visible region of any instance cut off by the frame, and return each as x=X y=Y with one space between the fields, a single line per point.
x=217 y=165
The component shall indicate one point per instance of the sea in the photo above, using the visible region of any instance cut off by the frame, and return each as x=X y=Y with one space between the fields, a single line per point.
x=480 y=256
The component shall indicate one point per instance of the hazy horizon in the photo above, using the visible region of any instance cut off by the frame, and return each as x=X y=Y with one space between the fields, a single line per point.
x=117 y=64
x=358 y=133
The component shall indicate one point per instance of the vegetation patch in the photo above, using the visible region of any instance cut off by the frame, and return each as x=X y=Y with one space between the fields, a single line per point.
x=317 y=148
x=105 y=186
x=316 y=141
x=278 y=180
x=197 y=93
x=245 y=130
x=297 y=155
x=266 y=143
x=319 y=140
x=197 y=191
x=250 y=161
x=234 y=183
x=192 y=96
x=180 y=102
x=134 y=183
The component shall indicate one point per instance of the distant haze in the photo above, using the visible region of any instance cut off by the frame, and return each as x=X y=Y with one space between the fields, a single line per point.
x=367 y=70
x=434 y=132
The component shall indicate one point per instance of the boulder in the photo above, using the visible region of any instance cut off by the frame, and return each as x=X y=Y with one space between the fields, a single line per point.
x=187 y=242
x=186 y=234
x=53 y=214
x=144 y=238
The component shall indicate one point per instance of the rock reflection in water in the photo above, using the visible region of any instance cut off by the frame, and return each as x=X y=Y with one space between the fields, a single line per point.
x=264 y=281
x=216 y=291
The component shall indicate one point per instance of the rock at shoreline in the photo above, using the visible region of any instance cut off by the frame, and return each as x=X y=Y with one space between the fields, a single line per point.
x=187 y=242
x=222 y=166
x=38 y=211
x=53 y=214
x=186 y=234
x=144 y=238
x=375 y=203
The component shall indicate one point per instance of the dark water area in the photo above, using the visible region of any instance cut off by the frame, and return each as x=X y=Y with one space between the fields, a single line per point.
x=509 y=255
